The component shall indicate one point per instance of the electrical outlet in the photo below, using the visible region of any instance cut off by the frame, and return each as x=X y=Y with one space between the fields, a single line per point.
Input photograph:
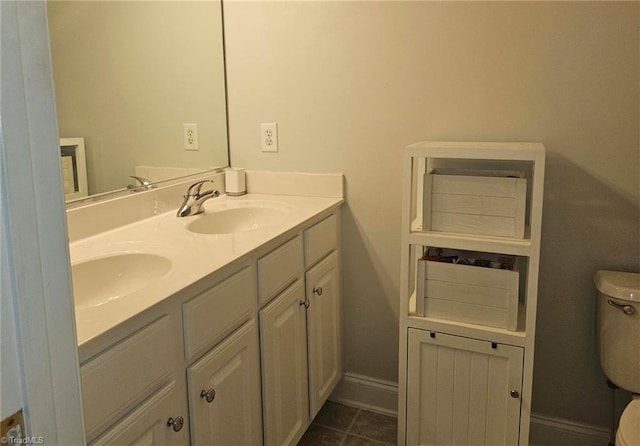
x=190 y=133
x=269 y=137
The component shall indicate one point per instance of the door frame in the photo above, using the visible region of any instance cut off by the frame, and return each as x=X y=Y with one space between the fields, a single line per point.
x=34 y=227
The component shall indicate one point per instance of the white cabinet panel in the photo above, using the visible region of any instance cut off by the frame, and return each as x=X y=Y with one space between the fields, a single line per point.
x=324 y=330
x=215 y=313
x=124 y=375
x=280 y=268
x=224 y=392
x=461 y=391
x=320 y=239
x=284 y=367
x=147 y=424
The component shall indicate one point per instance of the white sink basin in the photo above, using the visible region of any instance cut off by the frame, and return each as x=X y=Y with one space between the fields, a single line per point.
x=237 y=218
x=100 y=281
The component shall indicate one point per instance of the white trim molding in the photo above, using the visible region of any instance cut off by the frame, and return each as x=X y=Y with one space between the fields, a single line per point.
x=382 y=396
x=368 y=393
x=547 y=431
x=34 y=213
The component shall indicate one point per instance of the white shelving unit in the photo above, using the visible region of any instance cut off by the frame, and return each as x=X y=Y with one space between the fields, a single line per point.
x=465 y=383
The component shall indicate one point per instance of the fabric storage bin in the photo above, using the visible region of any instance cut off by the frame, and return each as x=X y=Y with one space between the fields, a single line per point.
x=467 y=293
x=478 y=202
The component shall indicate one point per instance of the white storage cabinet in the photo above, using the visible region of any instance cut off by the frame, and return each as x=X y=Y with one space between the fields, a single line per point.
x=467 y=333
x=465 y=390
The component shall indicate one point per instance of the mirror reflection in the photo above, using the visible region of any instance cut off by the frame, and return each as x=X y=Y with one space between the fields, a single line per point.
x=140 y=87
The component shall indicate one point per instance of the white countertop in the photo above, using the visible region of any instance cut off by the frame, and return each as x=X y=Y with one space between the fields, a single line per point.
x=193 y=256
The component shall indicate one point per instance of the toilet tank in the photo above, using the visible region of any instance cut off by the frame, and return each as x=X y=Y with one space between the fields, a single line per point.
x=619 y=327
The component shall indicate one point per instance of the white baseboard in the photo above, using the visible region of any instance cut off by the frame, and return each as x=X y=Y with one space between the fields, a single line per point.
x=382 y=396
x=547 y=431
x=368 y=393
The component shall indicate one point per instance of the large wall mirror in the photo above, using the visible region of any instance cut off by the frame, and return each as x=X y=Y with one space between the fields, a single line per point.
x=128 y=76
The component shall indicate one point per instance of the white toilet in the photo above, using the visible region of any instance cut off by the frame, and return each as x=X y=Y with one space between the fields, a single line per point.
x=619 y=333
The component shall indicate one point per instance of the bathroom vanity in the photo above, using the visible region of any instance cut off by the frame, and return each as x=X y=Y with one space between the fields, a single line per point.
x=236 y=341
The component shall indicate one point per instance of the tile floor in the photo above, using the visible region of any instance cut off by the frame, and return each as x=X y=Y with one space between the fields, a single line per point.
x=340 y=425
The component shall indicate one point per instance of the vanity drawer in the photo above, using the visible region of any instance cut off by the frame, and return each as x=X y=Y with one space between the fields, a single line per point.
x=280 y=268
x=320 y=240
x=124 y=375
x=212 y=315
x=147 y=423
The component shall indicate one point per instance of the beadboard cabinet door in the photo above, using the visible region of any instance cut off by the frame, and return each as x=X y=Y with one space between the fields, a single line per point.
x=224 y=392
x=283 y=336
x=464 y=391
x=324 y=330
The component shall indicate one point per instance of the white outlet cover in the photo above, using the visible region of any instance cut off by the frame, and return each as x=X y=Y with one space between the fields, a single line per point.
x=190 y=135
x=269 y=137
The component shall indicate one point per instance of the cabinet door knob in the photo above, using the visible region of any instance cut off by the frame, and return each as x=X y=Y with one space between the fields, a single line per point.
x=208 y=394
x=305 y=302
x=318 y=290
x=514 y=394
x=175 y=423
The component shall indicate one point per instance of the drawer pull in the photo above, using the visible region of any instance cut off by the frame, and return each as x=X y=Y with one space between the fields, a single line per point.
x=210 y=394
x=626 y=309
x=175 y=423
x=514 y=394
x=305 y=302
x=318 y=290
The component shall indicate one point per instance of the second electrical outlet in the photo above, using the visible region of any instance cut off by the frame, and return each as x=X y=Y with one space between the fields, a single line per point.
x=269 y=137
x=190 y=134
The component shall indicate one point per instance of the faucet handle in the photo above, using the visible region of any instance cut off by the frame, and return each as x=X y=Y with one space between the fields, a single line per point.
x=194 y=189
x=193 y=201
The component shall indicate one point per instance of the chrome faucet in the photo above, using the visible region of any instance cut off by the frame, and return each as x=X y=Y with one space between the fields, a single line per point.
x=145 y=184
x=193 y=201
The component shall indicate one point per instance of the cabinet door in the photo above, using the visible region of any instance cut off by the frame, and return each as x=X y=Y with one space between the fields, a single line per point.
x=284 y=367
x=127 y=374
x=324 y=329
x=147 y=424
x=224 y=392
x=462 y=391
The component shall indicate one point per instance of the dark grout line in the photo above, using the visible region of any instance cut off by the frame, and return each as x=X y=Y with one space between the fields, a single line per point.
x=370 y=439
x=355 y=417
x=333 y=428
x=350 y=426
x=349 y=432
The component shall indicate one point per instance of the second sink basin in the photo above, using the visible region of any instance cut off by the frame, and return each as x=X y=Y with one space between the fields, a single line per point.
x=99 y=281
x=238 y=217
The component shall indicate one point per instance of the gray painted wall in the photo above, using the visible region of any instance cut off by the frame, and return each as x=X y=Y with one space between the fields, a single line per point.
x=351 y=83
